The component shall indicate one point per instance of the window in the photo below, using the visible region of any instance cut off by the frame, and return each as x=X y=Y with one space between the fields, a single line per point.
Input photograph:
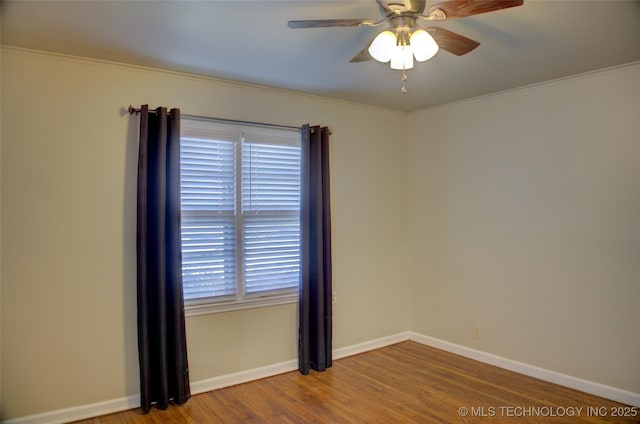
x=240 y=201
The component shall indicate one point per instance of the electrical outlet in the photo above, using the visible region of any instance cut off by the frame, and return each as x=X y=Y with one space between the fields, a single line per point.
x=333 y=297
x=476 y=332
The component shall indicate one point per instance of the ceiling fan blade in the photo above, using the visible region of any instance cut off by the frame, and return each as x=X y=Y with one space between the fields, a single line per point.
x=363 y=55
x=461 y=8
x=326 y=23
x=451 y=41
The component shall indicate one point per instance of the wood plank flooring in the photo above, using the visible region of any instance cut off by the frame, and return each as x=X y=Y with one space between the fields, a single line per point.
x=403 y=383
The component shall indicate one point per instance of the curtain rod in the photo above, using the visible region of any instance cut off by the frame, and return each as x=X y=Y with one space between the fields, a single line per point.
x=133 y=111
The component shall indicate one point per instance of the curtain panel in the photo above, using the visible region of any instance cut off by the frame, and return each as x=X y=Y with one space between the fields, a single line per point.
x=162 y=347
x=315 y=309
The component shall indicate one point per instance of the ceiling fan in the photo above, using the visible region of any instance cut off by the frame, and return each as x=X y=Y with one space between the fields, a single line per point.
x=404 y=39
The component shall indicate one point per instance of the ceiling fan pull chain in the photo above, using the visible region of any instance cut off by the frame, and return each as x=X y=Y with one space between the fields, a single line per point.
x=404 y=82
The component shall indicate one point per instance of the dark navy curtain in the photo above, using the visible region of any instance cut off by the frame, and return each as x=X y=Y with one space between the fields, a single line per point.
x=315 y=314
x=162 y=347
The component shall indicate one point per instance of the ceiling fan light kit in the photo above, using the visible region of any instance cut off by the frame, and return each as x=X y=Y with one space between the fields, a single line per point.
x=405 y=41
x=382 y=47
x=423 y=45
x=389 y=47
x=402 y=58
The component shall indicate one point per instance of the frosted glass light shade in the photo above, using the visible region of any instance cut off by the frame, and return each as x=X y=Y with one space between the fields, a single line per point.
x=423 y=45
x=402 y=58
x=383 y=46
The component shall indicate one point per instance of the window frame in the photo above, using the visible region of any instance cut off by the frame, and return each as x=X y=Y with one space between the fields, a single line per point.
x=240 y=300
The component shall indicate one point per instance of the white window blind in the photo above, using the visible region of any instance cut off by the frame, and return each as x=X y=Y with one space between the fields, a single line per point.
x=271 y=216
x=240 y=211
x=208 y=217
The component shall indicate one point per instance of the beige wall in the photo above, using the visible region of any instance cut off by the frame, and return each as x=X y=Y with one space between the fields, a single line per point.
x=524 y=219
x=68 y=228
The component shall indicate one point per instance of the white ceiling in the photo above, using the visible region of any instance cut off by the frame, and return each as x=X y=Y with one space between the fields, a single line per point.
x=249 y=41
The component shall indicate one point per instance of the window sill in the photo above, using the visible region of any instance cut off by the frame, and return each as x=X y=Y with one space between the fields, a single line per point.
x=204 y=307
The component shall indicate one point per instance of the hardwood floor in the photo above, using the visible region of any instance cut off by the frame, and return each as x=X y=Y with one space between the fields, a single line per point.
x=403 y=383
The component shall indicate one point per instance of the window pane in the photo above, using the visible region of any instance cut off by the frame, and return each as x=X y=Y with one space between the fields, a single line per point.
x=208 y=256
x=207 y=175
x=271 y=252
x=271 y=219
x=270 y=177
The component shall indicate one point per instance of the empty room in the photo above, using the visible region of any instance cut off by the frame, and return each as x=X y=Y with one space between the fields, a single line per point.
x=301 y=211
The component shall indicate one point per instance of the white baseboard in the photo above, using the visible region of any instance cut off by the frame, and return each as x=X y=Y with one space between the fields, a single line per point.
x=355 y=349
x=597 y=389
x=81 y=412
x=240 y=377
x=130 y=402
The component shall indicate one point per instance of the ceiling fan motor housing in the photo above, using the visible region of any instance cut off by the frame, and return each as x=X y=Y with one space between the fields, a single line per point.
x=403 y=23
x=402 y=6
